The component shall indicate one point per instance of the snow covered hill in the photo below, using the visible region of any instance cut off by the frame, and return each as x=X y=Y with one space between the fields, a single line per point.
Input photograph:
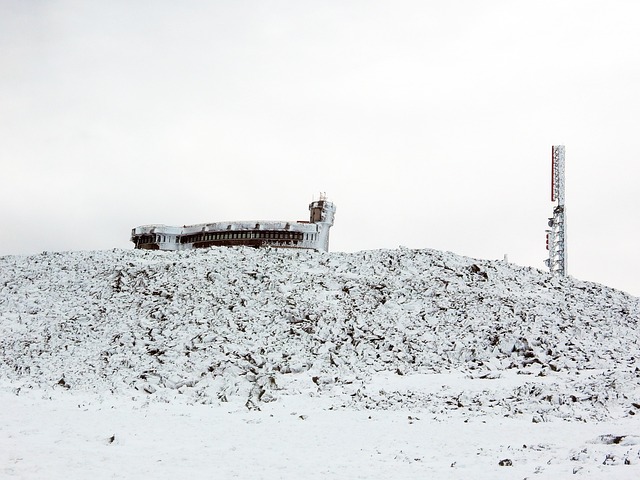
x=244 y=363
x=367 y=330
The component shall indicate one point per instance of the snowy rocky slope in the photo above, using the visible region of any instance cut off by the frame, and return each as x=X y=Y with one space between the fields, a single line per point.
x=366 y=330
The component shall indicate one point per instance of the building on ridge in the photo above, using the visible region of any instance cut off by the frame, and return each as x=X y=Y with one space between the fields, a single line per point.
x=312 y=234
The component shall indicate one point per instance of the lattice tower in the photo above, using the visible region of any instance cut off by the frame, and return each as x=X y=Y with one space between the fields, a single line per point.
x=557 y=234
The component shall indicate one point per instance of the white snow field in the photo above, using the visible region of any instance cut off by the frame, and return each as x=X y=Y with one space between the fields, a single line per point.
x=283 y=364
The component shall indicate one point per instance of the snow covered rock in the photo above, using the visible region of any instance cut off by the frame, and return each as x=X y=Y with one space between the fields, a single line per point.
x=251 y=325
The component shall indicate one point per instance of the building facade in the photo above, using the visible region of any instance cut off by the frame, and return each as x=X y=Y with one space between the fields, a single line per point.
x=312 y=234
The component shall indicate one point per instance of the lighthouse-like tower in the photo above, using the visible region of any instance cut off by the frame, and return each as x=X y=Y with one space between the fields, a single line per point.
x=322 y=212
x=557 y=234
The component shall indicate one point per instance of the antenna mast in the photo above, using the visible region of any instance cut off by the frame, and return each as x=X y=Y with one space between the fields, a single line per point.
x=557 y=235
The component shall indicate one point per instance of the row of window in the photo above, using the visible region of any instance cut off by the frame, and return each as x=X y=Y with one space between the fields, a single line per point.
x=142 y=239
x=263 y=235
x=212 y=237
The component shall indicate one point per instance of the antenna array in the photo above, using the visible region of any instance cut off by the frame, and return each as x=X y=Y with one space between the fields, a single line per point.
x=557 y=234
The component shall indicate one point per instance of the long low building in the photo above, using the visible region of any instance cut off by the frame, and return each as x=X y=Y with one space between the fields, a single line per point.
x=312 y=234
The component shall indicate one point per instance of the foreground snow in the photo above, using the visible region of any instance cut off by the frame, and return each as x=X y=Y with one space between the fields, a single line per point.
x=230 y=363
x=78 y=436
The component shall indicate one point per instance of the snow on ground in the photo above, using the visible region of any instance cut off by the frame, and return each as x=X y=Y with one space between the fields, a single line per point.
x=77 y=436
x=235 y=362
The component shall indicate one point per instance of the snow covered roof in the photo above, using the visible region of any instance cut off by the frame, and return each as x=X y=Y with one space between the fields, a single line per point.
x=298 y=226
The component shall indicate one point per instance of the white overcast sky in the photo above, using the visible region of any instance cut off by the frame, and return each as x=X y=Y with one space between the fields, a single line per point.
x=428 y=123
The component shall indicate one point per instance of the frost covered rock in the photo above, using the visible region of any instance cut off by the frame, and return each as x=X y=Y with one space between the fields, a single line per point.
x=252 y=325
